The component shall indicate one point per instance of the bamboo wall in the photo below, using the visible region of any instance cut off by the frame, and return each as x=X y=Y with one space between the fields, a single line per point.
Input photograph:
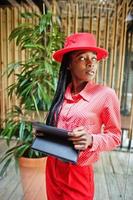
x=9 y=52
x=106 y=21
x=109 y=26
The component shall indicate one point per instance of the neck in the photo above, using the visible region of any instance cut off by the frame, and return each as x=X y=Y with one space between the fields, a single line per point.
x=78 y=86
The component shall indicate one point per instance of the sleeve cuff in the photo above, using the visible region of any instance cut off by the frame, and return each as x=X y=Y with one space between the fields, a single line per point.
x=95 y=143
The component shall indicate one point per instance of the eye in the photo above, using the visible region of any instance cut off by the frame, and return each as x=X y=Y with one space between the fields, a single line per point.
x=82 y=58
x=93 y=60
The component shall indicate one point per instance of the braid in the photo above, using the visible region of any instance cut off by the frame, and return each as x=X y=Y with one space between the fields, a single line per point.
x=63 y=81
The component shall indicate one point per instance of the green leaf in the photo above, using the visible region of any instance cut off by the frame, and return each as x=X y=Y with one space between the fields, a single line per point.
x=21 y=130
x=11 y=150
x=34 y=46
x=14 y=33
x=21 y=150
x=4 y=168
x=28 y=15
x=8 y=154
x=50 y=84
x=35 y=104
x=45 y=21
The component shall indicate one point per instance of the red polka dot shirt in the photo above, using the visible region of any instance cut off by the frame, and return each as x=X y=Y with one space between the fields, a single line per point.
x=96 y=108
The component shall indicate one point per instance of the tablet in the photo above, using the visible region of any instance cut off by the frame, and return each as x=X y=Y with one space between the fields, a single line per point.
x=54 y=142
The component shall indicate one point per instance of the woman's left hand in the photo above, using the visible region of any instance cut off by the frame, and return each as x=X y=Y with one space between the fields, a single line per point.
x=81 y=138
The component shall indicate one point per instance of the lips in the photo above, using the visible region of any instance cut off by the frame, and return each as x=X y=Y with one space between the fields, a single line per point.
x=90 y=72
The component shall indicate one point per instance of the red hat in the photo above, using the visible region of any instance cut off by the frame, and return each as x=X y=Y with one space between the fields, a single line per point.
x=80 y=41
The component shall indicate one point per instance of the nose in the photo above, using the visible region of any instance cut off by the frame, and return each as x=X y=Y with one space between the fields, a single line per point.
x=89 y=64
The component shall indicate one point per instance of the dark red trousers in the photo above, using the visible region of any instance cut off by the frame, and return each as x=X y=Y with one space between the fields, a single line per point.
x=65 y=181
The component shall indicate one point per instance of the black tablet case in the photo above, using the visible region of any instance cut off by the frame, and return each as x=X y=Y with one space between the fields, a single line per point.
x=54 y=142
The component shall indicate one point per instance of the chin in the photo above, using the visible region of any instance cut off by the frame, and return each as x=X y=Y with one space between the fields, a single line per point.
x=90 y=78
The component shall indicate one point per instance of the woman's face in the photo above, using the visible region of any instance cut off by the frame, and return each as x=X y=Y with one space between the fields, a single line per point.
x=83 y=65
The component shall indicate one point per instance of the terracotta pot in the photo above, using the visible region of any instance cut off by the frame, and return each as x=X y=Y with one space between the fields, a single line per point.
x=32 y=172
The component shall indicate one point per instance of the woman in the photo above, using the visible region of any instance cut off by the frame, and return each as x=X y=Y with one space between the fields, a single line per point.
x=83 y=108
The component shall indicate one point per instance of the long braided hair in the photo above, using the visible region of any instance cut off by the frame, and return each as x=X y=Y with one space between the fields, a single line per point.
x=63 y=80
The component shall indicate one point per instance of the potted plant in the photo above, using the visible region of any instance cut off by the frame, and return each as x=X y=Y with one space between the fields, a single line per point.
x=34 y=87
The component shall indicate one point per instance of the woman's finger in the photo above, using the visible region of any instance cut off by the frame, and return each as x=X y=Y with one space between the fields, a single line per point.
x=82 y=138
x=80 y=147
x=76 y=133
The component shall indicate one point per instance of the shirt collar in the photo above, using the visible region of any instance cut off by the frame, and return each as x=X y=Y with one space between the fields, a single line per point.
x=85 y=93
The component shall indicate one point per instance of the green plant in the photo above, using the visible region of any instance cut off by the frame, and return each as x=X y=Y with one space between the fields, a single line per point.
x=38 y=76
x=34 y=86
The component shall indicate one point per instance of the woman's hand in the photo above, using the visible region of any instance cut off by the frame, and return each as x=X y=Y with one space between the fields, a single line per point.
x=81 y=139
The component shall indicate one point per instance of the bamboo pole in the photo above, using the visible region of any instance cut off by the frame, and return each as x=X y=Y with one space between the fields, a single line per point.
x=130 y=132
x=103 y=38
x=16 y=49
x=83 y=19
x=113 y=48
x=90 y=28
x=106 y=46
x=4 y=49
x=54 y=10
x=120 y=55
x=122 y=49
x=12 y=50
x=23 y=53
x=76 y=19
x=2 y=101
x=98 y=26
x=131 y=118
x=98 y=40
x=68 y=19
x=9 y=52
x=29 y=9
x=132 y=42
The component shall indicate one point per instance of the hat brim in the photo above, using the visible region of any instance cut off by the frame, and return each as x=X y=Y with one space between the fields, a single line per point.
x=101 y=52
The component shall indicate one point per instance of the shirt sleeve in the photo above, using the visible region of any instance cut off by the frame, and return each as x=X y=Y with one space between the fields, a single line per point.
x=111 y=136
